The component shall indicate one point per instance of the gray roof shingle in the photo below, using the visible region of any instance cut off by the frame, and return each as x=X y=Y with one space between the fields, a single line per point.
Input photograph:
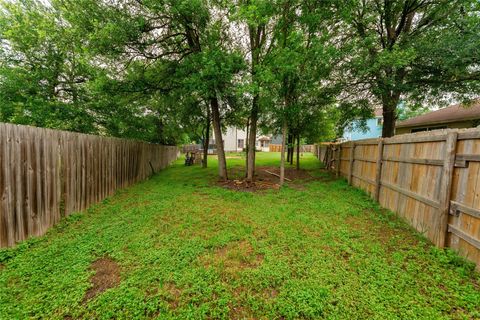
x=452 y=113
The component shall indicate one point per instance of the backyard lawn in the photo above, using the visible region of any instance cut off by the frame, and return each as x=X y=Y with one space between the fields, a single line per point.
x=181 y=246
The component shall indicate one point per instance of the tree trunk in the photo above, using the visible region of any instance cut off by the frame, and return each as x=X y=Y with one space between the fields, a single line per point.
x=206 y=140
x=256 y=39
x=292 y=148
x=252 y=135
x=282 y=156
x=389 y=104
x=246 y=147
x=298 y=152
x=222 y=163
x=388 y=129
x=289 y=149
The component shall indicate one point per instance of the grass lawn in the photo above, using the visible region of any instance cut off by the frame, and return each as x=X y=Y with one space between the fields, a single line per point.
x=182 y=247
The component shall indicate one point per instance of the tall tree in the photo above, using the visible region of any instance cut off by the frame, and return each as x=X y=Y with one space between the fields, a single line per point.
x=301 y=64
x=181 y=41
x=42 y=72
x=257 y=17
x=412 y=50
x=52 y=76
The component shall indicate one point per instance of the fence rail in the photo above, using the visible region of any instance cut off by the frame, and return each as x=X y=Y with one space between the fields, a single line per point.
x=431 y=179
x=48 y=174
x=191 y=147
x=303 y=148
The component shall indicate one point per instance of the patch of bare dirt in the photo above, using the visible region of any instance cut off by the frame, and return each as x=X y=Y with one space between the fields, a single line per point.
x=107 y=275
x=174 y=295
x=247 y=186
x=234 y=257
x=290 y=173
x=265 y=178
x=239 y=291
x=239 y=311
x=150 y=292
x=345 y=255
x=270 y=293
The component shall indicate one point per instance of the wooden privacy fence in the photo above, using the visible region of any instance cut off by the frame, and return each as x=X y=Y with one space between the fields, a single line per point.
x=47 y=174
x=191 y=147
x=431 y=179
x=303 y=148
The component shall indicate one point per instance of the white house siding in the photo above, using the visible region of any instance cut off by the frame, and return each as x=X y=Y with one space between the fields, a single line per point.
x=235 y=140
x=231 y=139
x=263 y=143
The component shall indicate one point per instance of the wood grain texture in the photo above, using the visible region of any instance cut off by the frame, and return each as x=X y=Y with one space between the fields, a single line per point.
x=446 y=187
x=418 y=176
x=351 y=160
x=46 y=175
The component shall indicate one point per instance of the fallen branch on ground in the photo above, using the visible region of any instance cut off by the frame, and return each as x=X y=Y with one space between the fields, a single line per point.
x=277 y=175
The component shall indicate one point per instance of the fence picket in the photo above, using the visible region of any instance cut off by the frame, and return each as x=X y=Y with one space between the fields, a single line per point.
x=415 y=175
x=47 y=174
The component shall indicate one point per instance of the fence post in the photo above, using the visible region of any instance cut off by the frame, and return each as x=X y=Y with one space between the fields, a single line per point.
x=326 y=157
x=378 y=170
x=339 y=154
x=352 y=159
x=446 y=187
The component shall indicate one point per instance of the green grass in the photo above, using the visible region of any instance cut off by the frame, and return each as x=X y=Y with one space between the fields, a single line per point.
x=189 y=249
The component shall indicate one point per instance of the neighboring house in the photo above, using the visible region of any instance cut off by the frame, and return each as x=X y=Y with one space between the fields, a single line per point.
x=235 y=139
x=263 y=143
x=455 y=116
x=374 y=128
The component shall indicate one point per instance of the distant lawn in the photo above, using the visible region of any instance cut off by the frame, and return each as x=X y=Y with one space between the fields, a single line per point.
x=179 y=246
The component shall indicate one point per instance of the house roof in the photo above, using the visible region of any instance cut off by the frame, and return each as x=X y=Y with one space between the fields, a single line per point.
x=452 y=113
x=378 y=112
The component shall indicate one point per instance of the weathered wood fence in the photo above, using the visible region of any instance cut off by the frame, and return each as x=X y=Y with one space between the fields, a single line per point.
x=48 y=174
x=431 y=179
x=303 y=148
x=190 y=147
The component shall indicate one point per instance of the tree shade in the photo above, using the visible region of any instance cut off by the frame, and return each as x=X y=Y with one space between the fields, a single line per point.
x=174 y=71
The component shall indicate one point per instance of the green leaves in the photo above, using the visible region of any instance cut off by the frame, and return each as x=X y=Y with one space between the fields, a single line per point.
x=110 y=67
x=302 y=299
x=415 y=51
x=254 y=12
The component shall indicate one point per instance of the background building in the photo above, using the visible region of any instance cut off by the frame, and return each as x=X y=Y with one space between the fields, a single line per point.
x=455 y=116
x=374 y=128
x=235 y=140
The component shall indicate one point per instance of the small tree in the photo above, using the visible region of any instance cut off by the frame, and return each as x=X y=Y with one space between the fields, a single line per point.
x=255 y=17
x=301 y=63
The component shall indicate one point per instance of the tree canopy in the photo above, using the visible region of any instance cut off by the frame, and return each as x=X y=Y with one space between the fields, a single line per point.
x=173 y=71
x=410 y=50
